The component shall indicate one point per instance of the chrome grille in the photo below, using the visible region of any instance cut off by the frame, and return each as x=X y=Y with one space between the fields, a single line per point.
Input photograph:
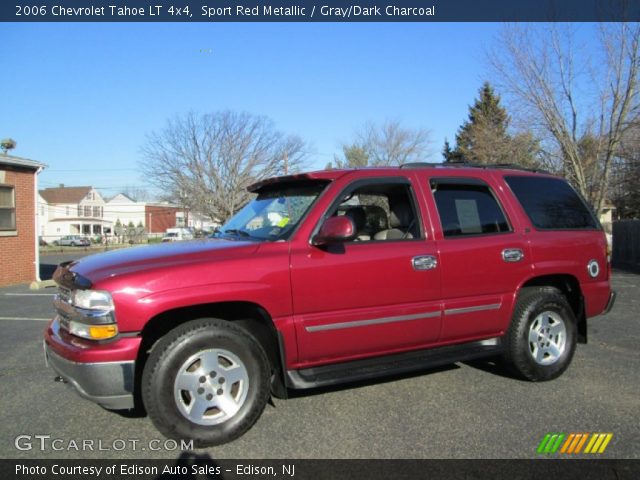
x=64 y=294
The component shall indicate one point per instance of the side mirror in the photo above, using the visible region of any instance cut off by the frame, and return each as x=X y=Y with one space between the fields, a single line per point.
x=335 y=230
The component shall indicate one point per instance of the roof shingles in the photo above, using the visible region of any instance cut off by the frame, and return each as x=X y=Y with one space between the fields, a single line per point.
x=64 y=194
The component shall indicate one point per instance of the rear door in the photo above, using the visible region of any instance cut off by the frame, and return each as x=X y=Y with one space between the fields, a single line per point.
x=483 y=253
x=376 y=294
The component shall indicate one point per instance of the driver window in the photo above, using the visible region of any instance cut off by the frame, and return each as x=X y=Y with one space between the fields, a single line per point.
x=381 y=212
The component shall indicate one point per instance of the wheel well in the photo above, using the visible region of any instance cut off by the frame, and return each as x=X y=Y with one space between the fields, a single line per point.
x=250 y=316
x=570 y=288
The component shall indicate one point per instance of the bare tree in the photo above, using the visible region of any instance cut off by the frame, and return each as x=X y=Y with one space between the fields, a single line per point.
x=137 y=194
x=206 y=162
x=625 y=176
x=580 y=104
x=387 y=144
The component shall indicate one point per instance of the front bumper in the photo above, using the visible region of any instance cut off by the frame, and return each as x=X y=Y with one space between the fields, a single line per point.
x=109 y=384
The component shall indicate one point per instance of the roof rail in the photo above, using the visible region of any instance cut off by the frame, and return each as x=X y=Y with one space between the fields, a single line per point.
x=511 y=166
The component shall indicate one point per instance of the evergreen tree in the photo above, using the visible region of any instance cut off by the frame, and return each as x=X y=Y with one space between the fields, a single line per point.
x=354 y=156
x=448 y=154
x=7 y=144
x=483 y=138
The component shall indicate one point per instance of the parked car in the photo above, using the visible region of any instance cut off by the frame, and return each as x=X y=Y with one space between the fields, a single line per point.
x=177 y=234
x=73 y=241
x=331 y=277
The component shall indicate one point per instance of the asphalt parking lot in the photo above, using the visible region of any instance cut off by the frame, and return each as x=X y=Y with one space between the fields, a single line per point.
x=467 y=410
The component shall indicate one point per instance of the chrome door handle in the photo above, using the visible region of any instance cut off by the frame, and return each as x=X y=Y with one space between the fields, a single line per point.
x=424 y=262
x=512 y=254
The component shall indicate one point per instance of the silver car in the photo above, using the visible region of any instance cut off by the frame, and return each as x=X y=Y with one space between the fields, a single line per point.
x=74 y=241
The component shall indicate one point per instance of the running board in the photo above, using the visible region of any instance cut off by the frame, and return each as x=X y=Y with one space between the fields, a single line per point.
x=369 y=368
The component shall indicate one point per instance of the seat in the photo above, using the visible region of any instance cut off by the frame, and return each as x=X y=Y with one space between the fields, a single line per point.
x=359 y=219
x=401 y=221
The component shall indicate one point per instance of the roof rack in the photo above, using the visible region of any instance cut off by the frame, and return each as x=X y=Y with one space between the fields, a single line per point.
x=511 y=166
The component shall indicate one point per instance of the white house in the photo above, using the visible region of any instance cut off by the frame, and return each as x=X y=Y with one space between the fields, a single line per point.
x=71 y=211
x=126 y=210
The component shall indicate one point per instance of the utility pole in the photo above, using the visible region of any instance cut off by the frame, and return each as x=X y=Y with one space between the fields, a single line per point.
x=286 y=162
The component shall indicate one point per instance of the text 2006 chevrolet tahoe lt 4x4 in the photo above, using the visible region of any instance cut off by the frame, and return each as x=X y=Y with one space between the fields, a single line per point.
x=330 y=277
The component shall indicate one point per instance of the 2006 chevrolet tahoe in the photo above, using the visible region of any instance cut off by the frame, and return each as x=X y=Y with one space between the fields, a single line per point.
x=330 y=277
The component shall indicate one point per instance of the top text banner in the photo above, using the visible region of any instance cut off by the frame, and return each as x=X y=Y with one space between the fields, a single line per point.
x=319 y=11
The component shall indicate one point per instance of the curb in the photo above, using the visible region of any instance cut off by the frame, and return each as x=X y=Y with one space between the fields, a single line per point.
x=41 y=284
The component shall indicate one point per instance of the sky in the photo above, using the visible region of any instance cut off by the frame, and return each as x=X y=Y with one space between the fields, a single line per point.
x=82 y=98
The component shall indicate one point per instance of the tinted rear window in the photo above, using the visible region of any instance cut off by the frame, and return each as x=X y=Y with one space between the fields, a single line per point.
x=551 y=203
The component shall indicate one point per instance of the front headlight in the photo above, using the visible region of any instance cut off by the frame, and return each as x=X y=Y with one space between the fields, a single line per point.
x=92 y=299
x=93 y=315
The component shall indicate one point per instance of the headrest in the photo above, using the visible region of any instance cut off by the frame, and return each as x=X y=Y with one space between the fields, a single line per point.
x=401 y=215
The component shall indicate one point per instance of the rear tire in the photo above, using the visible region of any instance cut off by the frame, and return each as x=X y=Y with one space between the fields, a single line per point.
x=542 y=337
x=207 y=380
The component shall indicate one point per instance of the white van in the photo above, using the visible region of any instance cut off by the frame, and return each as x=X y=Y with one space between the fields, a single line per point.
x=177 y=234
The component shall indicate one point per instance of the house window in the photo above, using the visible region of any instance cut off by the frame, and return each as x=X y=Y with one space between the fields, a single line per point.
x=87 y=211
x=7 y=208
x=66 y=211
x=96 y=212
x=79 y=211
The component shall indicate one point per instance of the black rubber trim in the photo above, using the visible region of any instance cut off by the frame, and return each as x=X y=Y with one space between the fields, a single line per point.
x=612 y=300
x=71 y=280
x=280 y=386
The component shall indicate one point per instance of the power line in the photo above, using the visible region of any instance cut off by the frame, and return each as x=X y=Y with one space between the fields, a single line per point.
x=94 y=170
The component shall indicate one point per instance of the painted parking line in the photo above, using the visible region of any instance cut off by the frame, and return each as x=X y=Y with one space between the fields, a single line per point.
x=29 y=294
x=26 y=318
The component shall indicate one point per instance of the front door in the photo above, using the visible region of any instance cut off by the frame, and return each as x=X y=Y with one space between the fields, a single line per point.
x=374 y=295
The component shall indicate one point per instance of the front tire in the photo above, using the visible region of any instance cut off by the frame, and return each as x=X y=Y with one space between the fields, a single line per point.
x=207 y=380
x=541 y=340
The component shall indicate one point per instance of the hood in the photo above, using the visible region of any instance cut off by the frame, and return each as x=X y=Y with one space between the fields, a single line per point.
x=125 y=261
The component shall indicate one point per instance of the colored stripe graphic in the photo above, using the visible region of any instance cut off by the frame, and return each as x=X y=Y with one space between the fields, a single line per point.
x=581 y=443
x=550 y=443
x=598 y=442
x=573 y=443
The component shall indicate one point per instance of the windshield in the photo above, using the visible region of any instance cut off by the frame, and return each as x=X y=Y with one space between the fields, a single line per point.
x=274 y=214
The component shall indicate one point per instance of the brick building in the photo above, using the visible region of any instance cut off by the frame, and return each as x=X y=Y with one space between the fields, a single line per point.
x=154 y=217
x=19 y=260
x=159 y=217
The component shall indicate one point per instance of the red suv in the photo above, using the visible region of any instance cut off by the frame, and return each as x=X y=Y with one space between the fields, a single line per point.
x=331 y=277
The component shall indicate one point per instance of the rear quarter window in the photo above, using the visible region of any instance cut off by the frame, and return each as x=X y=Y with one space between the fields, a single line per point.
x=551 y=203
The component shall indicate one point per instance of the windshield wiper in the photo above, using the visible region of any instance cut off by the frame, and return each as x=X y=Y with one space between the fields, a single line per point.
x=237 y=232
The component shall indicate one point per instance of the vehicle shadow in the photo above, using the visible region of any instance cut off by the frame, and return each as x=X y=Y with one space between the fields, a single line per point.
x=495 y=366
